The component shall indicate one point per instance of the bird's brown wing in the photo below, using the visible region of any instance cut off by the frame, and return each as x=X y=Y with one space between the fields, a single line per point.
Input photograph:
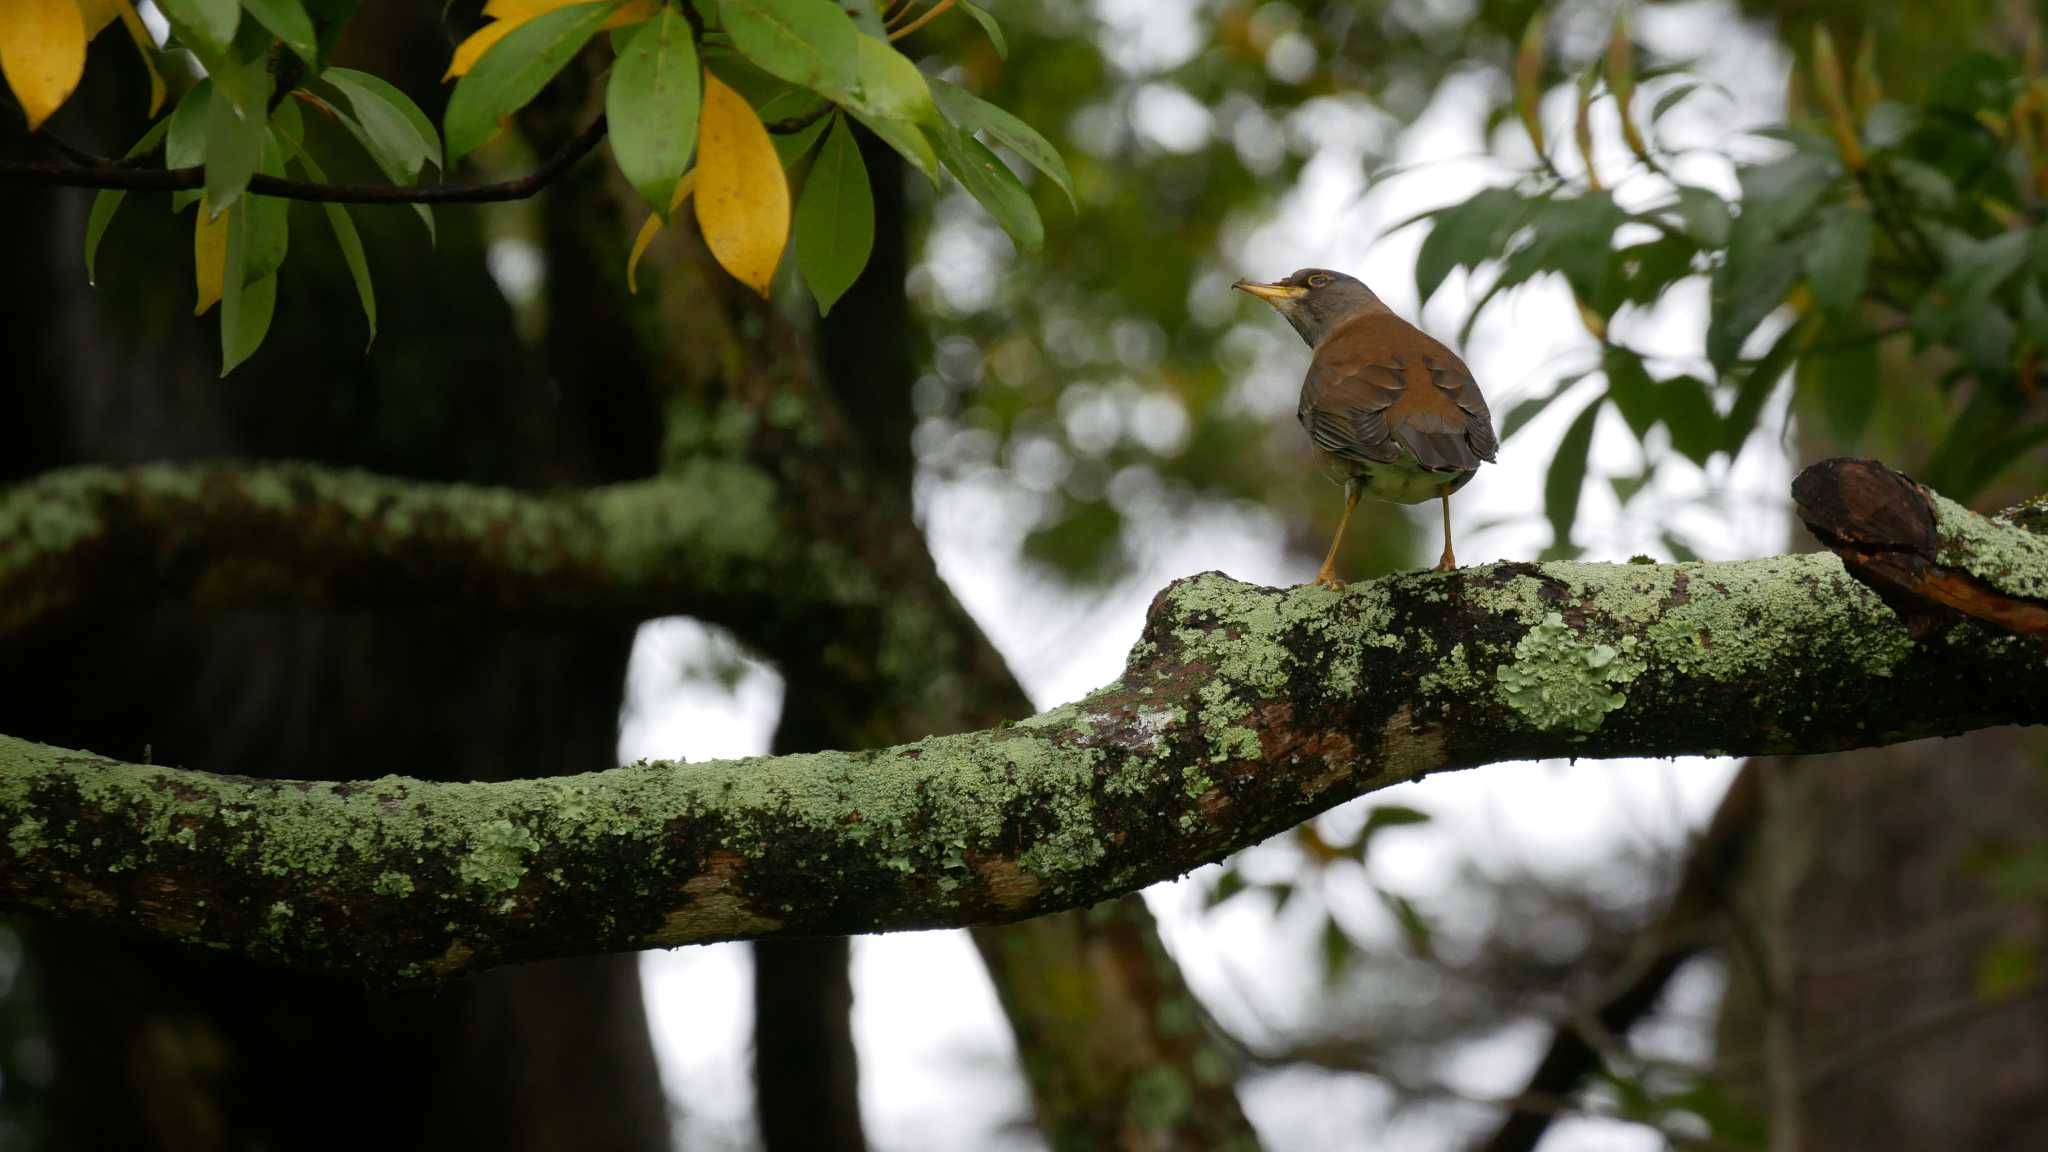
x=1378 y=384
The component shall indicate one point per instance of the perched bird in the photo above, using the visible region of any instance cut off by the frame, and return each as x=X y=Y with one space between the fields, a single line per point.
x=1394 y=414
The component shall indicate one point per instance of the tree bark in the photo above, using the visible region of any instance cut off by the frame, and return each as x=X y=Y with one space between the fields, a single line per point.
x=1243 y=711
x=168 y=1047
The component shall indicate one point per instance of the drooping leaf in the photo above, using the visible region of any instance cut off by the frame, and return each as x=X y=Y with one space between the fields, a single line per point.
x=185 y=145
x=1748 y=286
x=907 y=139
x=234 y=135
x=1845 y=374
x=1567 y=477
x=651 y=105
x=288 y=124
x=364 y=90
x=988 y=25
x=808 y=42
x=792 y=146
x=287 y=20
x=1386 y=816
x=835 y=218
x=211 y=23
x=42 y=54
x=1838 y=258
x=1630 y=387
x=513 y=72
x=266 y=221
x=1706 y=216
x=108 y=200
x=992 y=184
x=742 y=192
x=974 y=114
x=209 y=258
x=652 y=225
x=1466 y=235
x=145 y=46
x=246 y=301
x=351 y=243
x=890 y=86
x=1686 y=406
x=1760 y=378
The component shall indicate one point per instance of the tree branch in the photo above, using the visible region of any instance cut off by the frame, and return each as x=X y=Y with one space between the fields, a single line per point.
x=248 y=534
x=1243 y=710
x=112 y=175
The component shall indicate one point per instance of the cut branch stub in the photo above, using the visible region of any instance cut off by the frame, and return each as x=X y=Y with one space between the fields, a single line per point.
x=1934 y=562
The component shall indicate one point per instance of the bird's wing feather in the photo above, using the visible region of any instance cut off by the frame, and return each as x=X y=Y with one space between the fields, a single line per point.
x=1378 y=385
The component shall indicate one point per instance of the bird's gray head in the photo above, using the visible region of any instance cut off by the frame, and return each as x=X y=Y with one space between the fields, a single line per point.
x=1315 y=300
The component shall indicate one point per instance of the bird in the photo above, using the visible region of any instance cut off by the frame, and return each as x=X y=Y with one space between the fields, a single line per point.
x=1393 y=413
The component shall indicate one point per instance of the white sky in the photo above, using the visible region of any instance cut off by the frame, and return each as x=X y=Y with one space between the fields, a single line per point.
x=937 y=1061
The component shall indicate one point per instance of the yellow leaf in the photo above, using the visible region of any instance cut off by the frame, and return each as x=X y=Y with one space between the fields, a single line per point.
x=510 y=14
x=209 y=256
x=742 y=194
x=145 y=45
x=653 y=225
x=472 y=50
x=42 y=53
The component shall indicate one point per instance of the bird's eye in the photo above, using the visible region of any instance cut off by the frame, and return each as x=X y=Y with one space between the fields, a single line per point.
x=1318 y=280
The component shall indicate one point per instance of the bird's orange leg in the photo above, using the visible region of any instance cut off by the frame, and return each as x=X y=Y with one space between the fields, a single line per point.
x=1448 y=561
x=1327 y=576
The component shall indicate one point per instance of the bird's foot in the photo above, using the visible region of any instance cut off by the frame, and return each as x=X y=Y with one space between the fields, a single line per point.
x=1327 y=579
x=1447 y=563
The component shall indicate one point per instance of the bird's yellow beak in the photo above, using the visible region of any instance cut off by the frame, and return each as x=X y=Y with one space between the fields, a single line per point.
x=1271 y=293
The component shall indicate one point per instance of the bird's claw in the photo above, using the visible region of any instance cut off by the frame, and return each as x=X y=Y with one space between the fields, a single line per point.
x=1327 y=580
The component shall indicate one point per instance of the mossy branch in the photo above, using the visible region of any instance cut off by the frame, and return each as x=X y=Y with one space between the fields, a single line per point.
x=1243 y=710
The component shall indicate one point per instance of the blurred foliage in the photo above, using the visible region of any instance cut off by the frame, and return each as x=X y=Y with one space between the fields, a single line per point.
x=1875 y=230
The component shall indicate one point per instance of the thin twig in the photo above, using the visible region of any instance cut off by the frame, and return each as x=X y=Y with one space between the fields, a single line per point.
x=107 y=174
x=937 y=10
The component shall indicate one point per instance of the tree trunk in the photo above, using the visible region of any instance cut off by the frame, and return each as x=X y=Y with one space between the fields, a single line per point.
x=158 y=1047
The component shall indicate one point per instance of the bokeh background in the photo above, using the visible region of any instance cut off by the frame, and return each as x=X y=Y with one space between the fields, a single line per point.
x=1088 y=424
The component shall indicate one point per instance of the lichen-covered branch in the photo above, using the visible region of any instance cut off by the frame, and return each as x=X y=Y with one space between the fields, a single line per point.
x=1243 y=710
x=245 y=534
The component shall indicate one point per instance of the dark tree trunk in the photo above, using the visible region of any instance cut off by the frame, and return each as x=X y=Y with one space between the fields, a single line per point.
x=160 y=1048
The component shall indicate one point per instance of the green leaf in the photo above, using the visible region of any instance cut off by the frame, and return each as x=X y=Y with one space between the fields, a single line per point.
x=245 y=307
x=1642 y=273
x=988 y=24
x=808 y=42
x=1838 y=258
x=1388 y=816
x=1416 y=931
x=1846 y=376
x=1630 y=387
x=266 y=221
x=289 y=125
x=1669 y=100
x=1573 y=235
x=513 y=72
x=890 y=87
x=1686 y=405
x=1924 y=183
x=1466 y=235
x=908 y=140
x=991 y=182
x=867 y=16
x=1705 y=215
x=1227 y=885
x=651 y=105
x=1759 y=380
x=835 y=218
x=211 y=23
x=1749 y=285
x=185 y=145
x=108 y=201
x=2034 y=313
x=234 y=143
x=974 y=114
x=792 y=146
x=351 y=250
x=1567 y=476
x=1336 y=950
x=361 y=89
x=287 y=20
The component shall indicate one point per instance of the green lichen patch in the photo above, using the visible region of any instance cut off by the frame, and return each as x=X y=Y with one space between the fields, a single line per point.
x=497 y=859
x=1561 y=680
x=2013 y=561
x=394 y=884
